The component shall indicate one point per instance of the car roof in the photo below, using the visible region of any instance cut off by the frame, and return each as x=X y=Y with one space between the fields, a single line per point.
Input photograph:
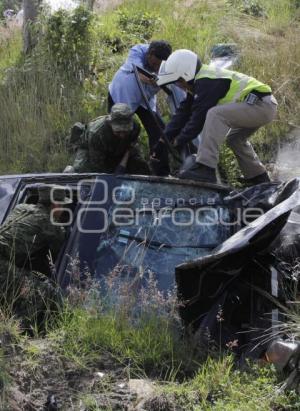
x=157 y=179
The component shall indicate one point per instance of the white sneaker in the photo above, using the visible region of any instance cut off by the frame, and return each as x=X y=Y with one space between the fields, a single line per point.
x=69 y=169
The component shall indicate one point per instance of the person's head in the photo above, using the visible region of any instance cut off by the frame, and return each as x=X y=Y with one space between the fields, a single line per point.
x=157 y=52
x=121 y=120
x=54 y=197
x=180 y=68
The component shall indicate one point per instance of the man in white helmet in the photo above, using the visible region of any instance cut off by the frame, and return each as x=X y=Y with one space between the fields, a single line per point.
x=222 y=104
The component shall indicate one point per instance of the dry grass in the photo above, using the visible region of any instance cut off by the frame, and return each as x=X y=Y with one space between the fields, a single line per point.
x=10 y=46
x=105 y=5
x=272 y=55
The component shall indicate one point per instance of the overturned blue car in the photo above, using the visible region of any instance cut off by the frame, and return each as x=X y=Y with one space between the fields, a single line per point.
x=228 y=252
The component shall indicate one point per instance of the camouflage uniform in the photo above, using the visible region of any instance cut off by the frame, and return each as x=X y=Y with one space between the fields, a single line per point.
x=26 y=239
x=104 y=150
x=27 y=232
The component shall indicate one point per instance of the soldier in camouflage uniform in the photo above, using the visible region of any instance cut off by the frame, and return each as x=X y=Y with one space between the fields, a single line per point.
x=28 y=239
x=110 y=145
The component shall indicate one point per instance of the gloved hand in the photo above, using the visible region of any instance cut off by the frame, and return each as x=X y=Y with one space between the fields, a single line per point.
x=159 y=146
x=155 y=166
x=121 y=168
x=179 y=142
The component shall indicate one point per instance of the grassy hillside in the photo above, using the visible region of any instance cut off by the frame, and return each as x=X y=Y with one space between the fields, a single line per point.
x=64 y=82
x=87 y=350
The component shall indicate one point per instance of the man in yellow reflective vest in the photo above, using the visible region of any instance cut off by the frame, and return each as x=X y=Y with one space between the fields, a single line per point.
x=222 y=105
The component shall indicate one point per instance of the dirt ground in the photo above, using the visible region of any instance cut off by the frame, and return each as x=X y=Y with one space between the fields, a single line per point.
x=44 y=381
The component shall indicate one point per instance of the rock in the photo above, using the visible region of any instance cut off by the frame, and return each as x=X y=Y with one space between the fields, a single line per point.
x=161 y=403
x=99 y=374
x=18 y=401
x=51 y=403
x=143 y=389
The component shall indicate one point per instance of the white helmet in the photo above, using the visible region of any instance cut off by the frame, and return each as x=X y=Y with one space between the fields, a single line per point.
x=180 y=64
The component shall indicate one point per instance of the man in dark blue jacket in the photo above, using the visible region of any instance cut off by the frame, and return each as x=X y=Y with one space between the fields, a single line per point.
x=222 y=105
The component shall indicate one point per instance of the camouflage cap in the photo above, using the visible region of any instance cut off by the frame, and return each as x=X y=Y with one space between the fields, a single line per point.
x=51 y=193
x=121 y=117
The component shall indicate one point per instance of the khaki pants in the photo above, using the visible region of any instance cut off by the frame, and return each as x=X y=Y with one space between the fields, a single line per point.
x=235 y=122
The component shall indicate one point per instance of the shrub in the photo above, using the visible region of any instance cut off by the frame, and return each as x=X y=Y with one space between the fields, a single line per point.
x=252 y=7
x=296 y=3
x=68 y=40
x=140 y=25
x=128 y=28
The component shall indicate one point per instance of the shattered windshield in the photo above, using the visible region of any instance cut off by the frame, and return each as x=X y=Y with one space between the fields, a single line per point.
x=152 y=227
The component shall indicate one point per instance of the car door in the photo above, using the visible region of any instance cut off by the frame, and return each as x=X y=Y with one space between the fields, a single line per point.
x=19 y=189
x=27 y=180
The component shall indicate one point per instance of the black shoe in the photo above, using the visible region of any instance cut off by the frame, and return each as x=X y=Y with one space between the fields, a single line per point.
x=261 y=178
x=200 y=172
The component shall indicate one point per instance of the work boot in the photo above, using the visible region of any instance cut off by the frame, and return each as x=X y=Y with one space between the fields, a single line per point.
x=261 y=178
x=199 y=172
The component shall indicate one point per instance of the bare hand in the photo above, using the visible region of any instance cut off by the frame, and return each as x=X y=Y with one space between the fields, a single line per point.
x=147 y=80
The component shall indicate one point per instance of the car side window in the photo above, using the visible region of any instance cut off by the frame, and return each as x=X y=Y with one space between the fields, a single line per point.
x=8 y=188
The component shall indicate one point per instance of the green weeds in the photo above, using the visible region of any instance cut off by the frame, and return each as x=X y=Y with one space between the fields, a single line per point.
x=219 y=386
x=32 y=354
x=140 y=330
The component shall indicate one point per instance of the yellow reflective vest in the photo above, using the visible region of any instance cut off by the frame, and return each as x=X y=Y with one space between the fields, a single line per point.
x=240 y=86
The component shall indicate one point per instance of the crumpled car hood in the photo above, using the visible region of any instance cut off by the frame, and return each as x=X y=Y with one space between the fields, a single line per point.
x=259 y=234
